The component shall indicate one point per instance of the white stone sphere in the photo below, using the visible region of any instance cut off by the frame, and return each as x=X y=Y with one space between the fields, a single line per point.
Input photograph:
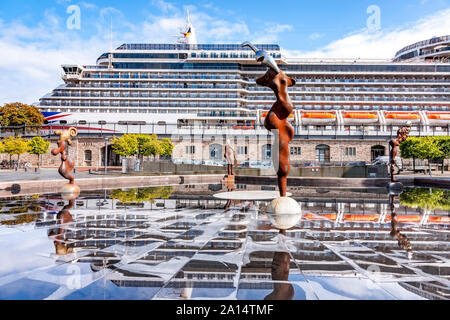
x=284 y=212
x=70 y=191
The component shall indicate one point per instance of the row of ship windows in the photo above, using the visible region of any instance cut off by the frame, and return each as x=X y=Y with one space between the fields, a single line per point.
x=228 y=76
x=260 y=107
x=256 y=88
x=127 y=75
x=242 y=55
x=146 y=94
x=367 y=98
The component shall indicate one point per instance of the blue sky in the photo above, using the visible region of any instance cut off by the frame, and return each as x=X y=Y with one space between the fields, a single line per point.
x=36 y=41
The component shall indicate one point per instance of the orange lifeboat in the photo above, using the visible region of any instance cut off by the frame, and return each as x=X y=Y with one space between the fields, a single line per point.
x=291 y=116
x=439 y=118
x=401 y=117
x=360 y=117
x=318 y=117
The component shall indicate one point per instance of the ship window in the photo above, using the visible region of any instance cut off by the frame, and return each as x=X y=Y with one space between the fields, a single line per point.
x=62 y=121
x=102 y=122
x=161 y=123
x=82 y=122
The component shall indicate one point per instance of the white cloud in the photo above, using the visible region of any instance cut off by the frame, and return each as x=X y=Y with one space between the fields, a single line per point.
x=382 y=44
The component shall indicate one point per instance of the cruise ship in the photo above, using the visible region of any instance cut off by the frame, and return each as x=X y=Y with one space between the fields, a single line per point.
x=189 y=84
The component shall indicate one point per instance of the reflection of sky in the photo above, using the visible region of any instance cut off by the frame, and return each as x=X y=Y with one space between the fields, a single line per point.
x=334 y=288
x=23 y=251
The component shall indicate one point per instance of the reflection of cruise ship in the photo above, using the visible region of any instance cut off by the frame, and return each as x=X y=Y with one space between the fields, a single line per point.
x=214 y=84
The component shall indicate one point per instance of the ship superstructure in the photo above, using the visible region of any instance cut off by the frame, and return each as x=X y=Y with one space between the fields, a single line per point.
x=214 y=84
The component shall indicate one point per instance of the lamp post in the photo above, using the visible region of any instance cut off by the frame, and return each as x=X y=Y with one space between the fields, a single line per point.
x=106 y=155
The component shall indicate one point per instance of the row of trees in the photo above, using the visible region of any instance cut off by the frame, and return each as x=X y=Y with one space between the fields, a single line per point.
x=18 y=146
x=426 y=148
x=142 y=145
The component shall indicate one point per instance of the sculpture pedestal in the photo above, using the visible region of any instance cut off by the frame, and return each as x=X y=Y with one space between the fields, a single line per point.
x=394 y=188
x=70 y=191
x=284 y=212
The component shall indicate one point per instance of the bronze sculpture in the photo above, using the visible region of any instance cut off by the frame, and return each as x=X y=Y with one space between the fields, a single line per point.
x=276 y=118
x=402 y=135
x=70 y=190
x=230 y=157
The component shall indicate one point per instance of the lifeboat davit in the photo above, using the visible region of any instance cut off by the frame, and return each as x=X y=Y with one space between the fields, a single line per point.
x=318 y=117
x=360 y=117
x=439 y=118
x=402 y=117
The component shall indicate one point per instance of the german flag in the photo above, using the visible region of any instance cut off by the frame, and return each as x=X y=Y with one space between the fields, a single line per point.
x=188 y=32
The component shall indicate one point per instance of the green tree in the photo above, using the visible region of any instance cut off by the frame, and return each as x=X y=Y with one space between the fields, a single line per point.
x=126 y=145
x=429 y=149
x=15 y=145
x=166 y=147
x=408 y=149
x=38 y=146
x=151 y=147
x=148 y=145
x=141 y=194
x=426 y=198
x=2 y=147
x=18 y=114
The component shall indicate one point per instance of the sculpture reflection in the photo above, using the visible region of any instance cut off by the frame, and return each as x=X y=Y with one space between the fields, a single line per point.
x=280 y=272
x=403 y=241
x=63 y=217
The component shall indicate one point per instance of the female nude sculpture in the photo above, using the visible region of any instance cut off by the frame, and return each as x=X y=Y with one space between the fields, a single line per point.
x=276 y=118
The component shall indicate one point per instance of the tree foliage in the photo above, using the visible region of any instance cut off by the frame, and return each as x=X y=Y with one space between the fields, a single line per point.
x=141 y=145
x=166 y=147
x=426 y=198
x=126 y=145
x=38 y=146
x=142 y=194
x=2 y=147
x=15 y=145
x=18 y=114
x=426 y=147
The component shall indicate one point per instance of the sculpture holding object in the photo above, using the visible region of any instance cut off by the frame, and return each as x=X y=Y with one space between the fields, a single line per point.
x=70 y=190
x=276 y=118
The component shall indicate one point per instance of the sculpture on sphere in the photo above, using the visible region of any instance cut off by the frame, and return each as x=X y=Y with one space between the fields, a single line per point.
x=66 y=166
x=402 y=135
x=276 y=118
x=70 y=190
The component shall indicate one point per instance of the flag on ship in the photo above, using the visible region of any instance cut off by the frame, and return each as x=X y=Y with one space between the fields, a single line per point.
x=188 y=32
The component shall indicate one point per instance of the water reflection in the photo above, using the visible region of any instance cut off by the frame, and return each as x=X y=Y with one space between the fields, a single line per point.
x=63 y=217
x=403 y=241
x=280 y=272
x=346 y=245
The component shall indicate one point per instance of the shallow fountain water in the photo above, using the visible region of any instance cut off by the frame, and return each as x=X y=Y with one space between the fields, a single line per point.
x=181 y=242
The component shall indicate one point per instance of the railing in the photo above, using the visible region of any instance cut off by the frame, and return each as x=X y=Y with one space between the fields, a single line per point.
x=178 y=131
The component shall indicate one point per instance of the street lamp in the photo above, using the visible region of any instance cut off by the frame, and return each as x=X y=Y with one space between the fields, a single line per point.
x=106 y=155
